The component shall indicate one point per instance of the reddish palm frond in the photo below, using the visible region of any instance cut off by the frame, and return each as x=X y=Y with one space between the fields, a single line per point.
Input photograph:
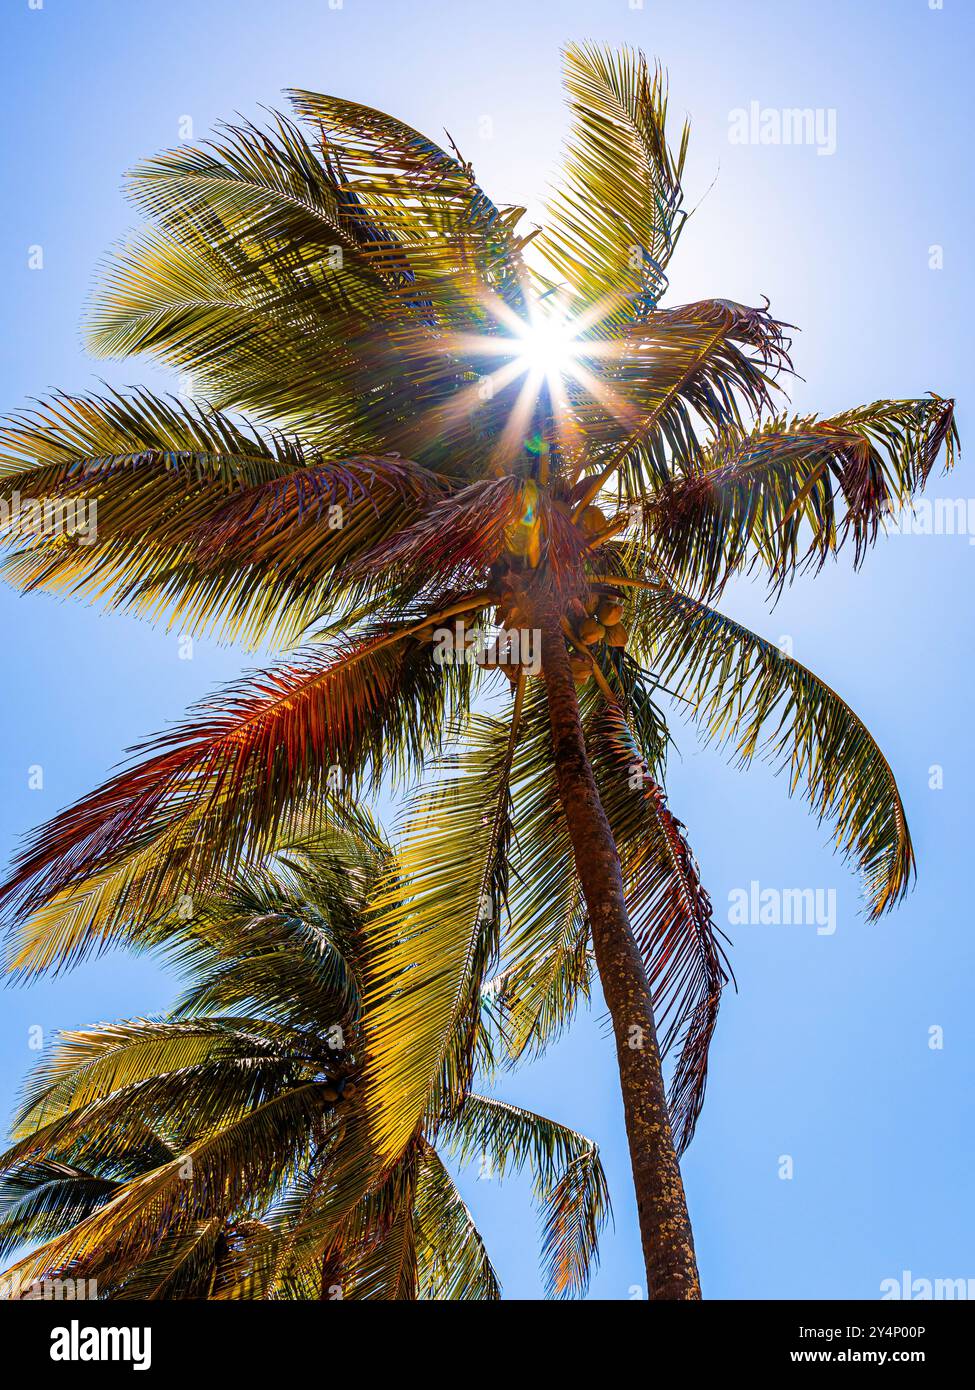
x=233 y=769
x=741 y=323
x=254 y=522
x=670 y=911
x=289 y=547
x=455 y=540
x=793 y=482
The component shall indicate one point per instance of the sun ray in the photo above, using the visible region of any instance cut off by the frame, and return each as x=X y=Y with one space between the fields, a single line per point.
x=512 y=437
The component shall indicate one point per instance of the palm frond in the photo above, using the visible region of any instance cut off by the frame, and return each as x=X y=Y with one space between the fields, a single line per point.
x=751 y=697
x=451 y=1261
x=170 y=1064
x=419 y=210
x=546 y=968
x=669 y=910
x=217 y=788
x=432 y=934
x=796 y=482
x=42 y=1198
x=569 y=1184
x=713 y=363
x=174 y=510
x=614 y=221
x=241 y=1162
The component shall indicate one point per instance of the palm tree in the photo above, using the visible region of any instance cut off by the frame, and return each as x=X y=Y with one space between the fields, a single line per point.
x=456 y=431
x=219 y=1152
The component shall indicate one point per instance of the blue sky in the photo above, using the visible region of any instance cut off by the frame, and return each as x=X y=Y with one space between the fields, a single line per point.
x=823 y=1055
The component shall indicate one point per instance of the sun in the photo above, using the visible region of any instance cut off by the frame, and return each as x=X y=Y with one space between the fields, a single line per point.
x=546 y=347
x=543 y=354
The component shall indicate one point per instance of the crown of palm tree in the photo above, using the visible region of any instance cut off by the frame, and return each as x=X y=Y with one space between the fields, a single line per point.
x=219 y=1152
x=448 y=429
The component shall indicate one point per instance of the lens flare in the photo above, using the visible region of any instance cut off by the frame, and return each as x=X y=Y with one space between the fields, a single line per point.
x=546 y=348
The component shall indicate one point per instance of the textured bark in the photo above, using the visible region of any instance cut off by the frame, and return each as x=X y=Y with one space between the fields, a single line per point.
x=668 y=1245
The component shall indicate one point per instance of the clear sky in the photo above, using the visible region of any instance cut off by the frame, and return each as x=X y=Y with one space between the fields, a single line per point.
x=824 y=1055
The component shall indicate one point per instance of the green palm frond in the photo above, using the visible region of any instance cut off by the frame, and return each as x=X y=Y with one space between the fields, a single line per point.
x=420 y=209
x=130 y=1135
x=752 y=698
x=433 y=932
x=349 y=259
x=546 y=968
x=614 y=222
x=451 y=1261
x=569 y=1184
x=184 y=1264
x=240 y=1163
x=258 y=951
x=388 y=1270
x=181 y=512
x=195 y=1072
x=42 y=1198
x=196 y=300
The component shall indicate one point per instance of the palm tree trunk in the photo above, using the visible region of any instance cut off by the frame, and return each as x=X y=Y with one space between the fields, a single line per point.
x=668 y=1245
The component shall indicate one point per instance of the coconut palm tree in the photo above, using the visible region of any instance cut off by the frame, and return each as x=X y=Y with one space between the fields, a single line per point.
x=459 y=426
x=220 y=1152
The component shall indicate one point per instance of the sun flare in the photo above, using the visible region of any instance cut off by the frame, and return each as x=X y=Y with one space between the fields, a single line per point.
x=546 y=347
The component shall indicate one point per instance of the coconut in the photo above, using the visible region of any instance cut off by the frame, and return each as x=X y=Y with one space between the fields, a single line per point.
x=592 y=521
x=616 y=635
x=591 y=631
x=581 y=668
x=609 y=612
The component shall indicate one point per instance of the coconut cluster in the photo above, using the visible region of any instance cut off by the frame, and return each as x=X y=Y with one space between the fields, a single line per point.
x=597 y=617
x=594 y=617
